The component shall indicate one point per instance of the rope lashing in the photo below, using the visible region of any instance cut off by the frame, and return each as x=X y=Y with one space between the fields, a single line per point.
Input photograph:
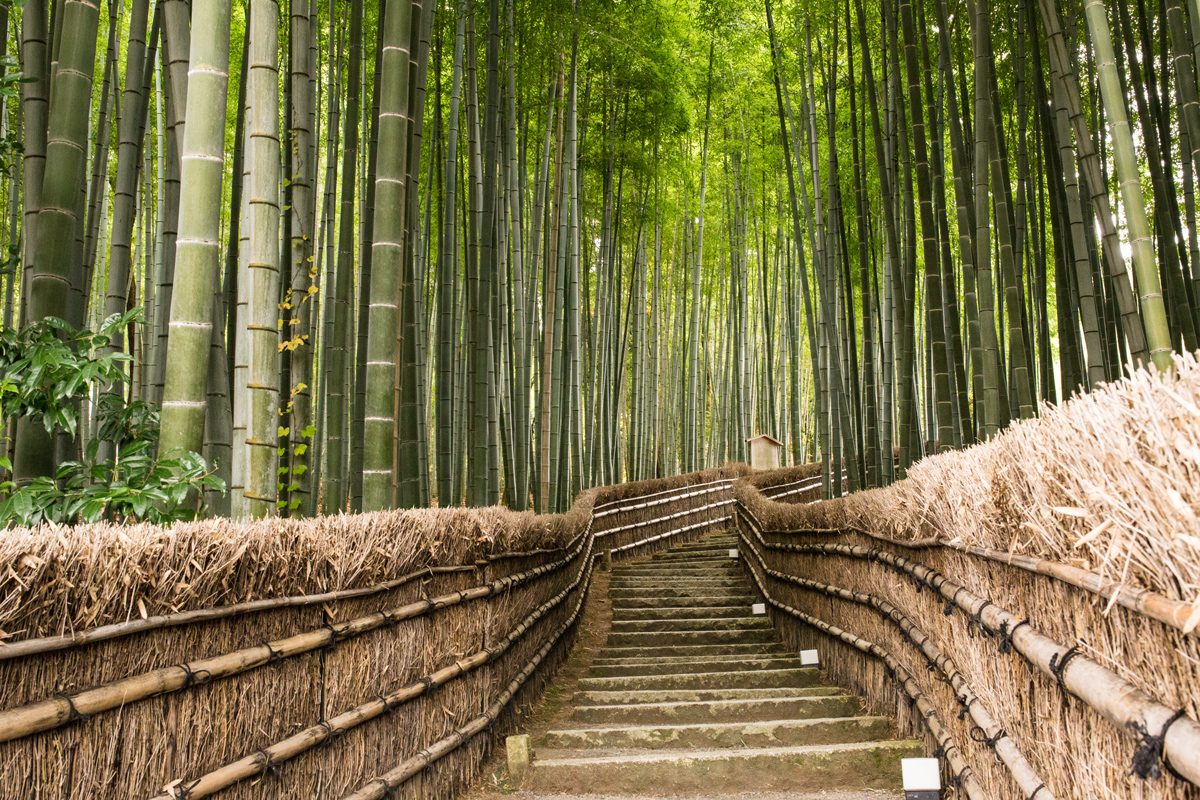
x=191 y=677
x=1058 y=666
x=276 y=655
x=1006 y=638
x=977 y=618
x=267 y=764
x=74 y=714
x=1149 y=753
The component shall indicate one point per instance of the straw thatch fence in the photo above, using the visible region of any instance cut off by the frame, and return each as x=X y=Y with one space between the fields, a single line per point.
x=1030 y=605
x=349 y=656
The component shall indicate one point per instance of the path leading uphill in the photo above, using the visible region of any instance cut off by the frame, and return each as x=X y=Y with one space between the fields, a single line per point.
x=694 y=695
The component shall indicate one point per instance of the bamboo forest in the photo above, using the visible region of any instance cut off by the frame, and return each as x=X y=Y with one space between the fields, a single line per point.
x=321 y=256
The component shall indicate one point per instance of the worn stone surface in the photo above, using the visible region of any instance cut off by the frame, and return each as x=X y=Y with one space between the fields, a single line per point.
x=858 y=765
x=722 y=710
x=773 y=733
x=519 y=751
x=692 y=695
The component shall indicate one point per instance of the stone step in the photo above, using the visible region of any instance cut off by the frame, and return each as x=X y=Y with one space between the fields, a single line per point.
x=775 y=733
x=635 y=600
x=655 y=582
x=859 y=765
x=702 y=624
x=679 y=668
x=696 y=695
x=721 y=710
x=717 y=676
x=692 y=593
x=717 y=553
x=688 y=652
x=681 y=571
x=679 y=612
x=693 y=652
x=717 y=559
x=660 y=639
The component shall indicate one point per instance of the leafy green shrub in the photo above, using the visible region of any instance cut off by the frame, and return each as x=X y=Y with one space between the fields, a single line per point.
x=45 y=369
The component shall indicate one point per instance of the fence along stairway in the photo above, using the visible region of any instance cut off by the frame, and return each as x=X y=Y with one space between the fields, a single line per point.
x=695 y=695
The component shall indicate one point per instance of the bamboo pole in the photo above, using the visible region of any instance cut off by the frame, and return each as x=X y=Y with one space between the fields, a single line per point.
x=1113 y=697
x=273 y=755
x=1006 y=749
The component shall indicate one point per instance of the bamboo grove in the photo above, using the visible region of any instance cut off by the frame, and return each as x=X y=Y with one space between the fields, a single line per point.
x=499 y=251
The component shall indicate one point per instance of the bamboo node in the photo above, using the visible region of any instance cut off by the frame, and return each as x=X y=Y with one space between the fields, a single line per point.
x=1149 y=753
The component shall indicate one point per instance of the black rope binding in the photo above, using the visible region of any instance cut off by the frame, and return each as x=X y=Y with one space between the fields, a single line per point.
x=332 y=734
x=185 y=789
x=983 y=737
x=1006 y=636
x=267 y=764
x=388 y=708
x=948 y=608
x=977 y=619
x=1039 y=788
x=276 y=655
x=1058 y=666
x=74 y=714
x=191 y=677
x=1149 y=752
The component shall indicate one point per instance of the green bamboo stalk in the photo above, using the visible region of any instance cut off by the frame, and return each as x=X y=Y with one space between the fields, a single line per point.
x=387 y=257
x=1153 y=311
x=198 y=246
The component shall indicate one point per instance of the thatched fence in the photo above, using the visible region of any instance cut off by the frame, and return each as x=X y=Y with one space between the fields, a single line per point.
x=1029 y=605
x=349 y=656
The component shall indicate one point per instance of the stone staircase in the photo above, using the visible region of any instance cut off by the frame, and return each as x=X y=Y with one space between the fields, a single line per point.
x=694 y=695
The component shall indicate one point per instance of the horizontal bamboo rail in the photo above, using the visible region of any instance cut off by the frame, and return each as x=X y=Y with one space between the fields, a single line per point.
x=272 y=756
x=53 y=712
x=386 y=784
x=678 y=493
x=47 y=644
x=1182 y=616
x=648 y=522
x=1005 y=748
x=1163 y=733
x=958 y=765
x=669 y=534
x=1179 y=615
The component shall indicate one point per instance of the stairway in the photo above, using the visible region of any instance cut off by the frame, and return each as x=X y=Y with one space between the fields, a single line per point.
x=695 y=695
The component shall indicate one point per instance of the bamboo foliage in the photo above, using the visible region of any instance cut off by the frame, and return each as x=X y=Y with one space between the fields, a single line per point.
x=478 y=257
